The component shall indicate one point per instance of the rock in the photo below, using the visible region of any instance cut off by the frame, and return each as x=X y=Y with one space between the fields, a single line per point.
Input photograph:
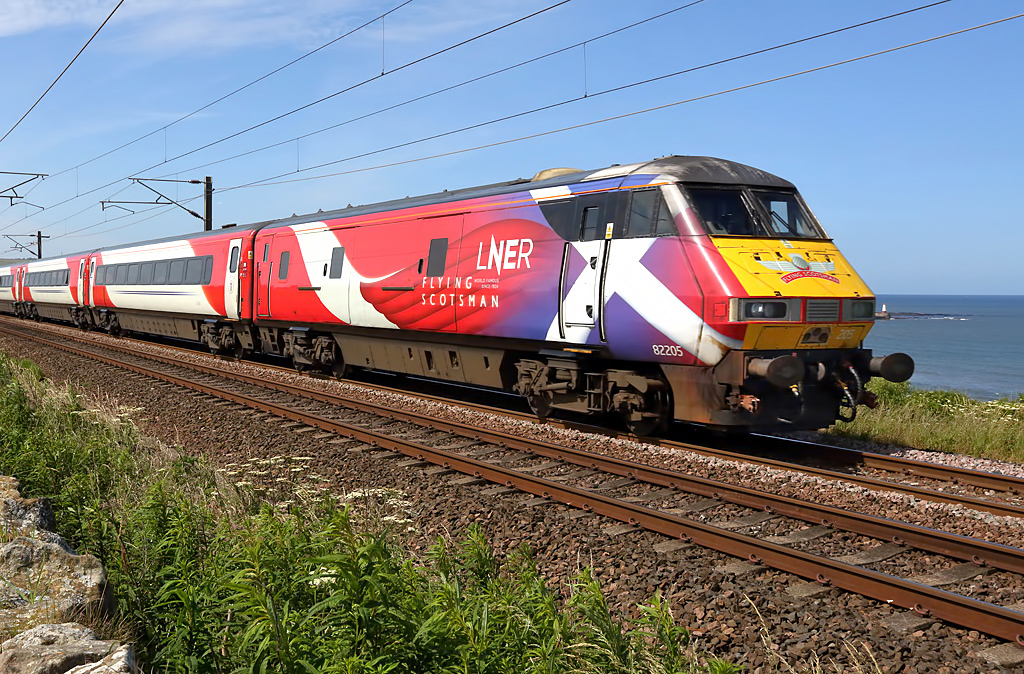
x=54 y=649
x=121 y=661
x=50 y=635
x=68 y=647
x=42 y=579
x=31 y=517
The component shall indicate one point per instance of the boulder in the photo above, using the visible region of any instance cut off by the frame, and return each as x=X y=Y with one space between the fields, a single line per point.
x=43 y=583
x=67 y=647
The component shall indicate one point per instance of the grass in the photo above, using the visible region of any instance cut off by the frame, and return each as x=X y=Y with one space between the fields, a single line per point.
x=211 y=574
x=946 y=421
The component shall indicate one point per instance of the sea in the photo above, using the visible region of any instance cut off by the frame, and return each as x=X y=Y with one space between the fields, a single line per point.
x=969 y=343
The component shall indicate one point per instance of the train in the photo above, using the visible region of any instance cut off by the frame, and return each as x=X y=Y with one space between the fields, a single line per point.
x=683 y=289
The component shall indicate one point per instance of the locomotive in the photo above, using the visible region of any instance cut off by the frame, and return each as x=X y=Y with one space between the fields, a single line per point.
x=689 y=289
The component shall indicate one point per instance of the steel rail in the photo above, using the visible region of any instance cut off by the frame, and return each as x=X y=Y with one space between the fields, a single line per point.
x=961 y=547
x=953 y=608
x=515 y=442
x=908 y=467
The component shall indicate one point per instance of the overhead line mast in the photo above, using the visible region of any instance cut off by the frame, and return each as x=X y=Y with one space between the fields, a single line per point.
x=207 y=183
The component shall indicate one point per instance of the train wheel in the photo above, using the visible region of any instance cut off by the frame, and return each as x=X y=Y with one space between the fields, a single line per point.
x=238 y=351
x=654 y=417
x=540 y=404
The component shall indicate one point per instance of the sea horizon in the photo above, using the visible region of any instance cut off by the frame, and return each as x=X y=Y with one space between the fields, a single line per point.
x=964 y=343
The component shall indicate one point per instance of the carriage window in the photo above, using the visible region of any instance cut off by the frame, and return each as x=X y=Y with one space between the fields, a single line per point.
x=133 y=274
x=592 y=224
x=233 y=265
x=207 y=270
x=194 y=271
x=121 y=275
x=559 y=215
x=176 y=272
x=282 y=269
x=98 y=278
x=146 y=273
x=437 y=257
x=722 y=211
x=337 y=262
x=160 y=273
x=266 y=252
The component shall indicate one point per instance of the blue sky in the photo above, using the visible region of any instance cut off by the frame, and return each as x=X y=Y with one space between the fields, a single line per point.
x=898 y=155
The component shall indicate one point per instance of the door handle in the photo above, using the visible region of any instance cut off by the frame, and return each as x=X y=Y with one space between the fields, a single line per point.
x=593 y=262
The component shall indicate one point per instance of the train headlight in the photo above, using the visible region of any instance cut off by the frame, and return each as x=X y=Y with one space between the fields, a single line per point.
x=765 y=310
x=760 y=311
x=858 y=310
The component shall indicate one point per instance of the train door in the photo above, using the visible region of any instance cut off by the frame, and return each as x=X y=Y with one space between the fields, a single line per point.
x=583 y=264
x=232 y=286
x=83 y=285
x=264 y=274
x=19 y=295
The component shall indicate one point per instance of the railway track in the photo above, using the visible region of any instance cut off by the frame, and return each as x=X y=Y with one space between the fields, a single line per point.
x=660 y=500
x=754 y=449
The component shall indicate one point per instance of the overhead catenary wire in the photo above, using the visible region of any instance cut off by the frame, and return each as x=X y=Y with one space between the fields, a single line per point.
x=520 y=64
x=452 y=87
x=607 y=119
x=308 y=105
x=571 y=100
x=11 y=130
x=238 y=90
x=273 y=180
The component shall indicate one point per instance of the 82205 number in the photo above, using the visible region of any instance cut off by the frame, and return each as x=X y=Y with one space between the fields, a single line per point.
x=668 y=350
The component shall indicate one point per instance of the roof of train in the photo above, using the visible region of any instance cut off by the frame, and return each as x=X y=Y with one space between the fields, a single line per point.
x=707 y=170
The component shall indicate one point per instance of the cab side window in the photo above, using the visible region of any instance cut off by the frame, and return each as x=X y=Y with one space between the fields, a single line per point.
x=559 y=215
x=649 y=215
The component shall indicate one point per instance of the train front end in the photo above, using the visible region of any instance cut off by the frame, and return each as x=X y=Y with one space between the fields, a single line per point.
x=794 y=312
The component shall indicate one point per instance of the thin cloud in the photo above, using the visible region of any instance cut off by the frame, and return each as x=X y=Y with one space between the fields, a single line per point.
x=175 y=26
x=167 y=27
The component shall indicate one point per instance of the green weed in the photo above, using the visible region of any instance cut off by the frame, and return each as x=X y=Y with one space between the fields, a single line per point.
x=212 y=574
x=946 y=421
